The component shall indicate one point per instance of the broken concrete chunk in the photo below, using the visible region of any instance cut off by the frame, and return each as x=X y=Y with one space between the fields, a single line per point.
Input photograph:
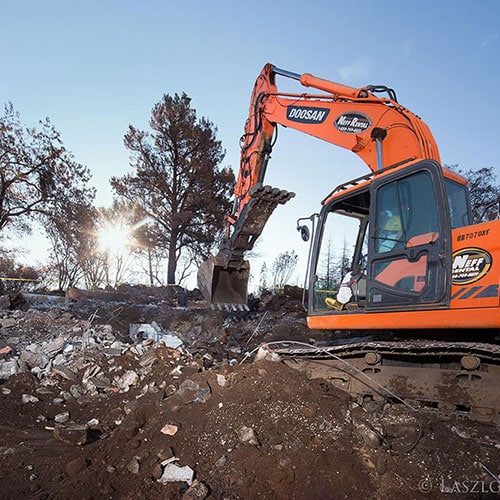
x=29 y=398
x=112 y=351
x=191 y=392
x=64 y=372
x=264 y=353
x=144 y=331
x=75 y=391
x=35 y=360
x=54 y=347
x=173 y=473
x=8 y=322
x=8 y=368
x=90 y=372
x=62 y=418
x=128 y=379
x=169 y=429
x=197 y=491
x=247 y=435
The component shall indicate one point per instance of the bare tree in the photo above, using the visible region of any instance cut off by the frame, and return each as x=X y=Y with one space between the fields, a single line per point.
x=263 y=286
x=74 y=253
x=283 y=267
x=484 y=193
x=177 y=180
x=37 y=174
x=329 y=266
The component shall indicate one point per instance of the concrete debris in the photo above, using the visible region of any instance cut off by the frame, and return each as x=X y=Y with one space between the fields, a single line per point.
x=264 y=353
x=267 y=431
x=64 y=372
x=169 y=429
x=247 y=435
x=52 y=348
x=29 y=398
x=34 y=359
x=222 y=380
x=8 y=323
x=173 y=473
x=197 y=491
x=62 y=418
x=128 y=379
x=191 y=392
x=8 y=368
x=147 y=333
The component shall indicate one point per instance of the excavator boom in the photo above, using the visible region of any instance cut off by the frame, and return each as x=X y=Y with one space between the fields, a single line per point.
x=377 y=129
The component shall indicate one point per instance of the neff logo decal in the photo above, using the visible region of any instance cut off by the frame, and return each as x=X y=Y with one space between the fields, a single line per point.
x=303 y=114
x=352 y=123
x=469 y=265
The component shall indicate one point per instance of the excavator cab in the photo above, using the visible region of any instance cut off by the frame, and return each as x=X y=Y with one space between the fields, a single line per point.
x=394 y=231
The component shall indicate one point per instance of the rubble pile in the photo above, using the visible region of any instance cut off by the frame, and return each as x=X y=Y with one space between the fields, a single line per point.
x=89 y=412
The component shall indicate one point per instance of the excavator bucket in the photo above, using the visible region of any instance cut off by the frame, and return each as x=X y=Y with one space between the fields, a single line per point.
x=224 y=285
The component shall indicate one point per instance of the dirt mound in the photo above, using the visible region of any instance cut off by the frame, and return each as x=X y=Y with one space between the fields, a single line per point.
x=205 y=420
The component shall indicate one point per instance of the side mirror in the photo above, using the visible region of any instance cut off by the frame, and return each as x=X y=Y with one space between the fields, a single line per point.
x=304 y=232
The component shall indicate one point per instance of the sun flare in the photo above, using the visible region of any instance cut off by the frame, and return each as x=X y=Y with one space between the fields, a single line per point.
x=115 y=239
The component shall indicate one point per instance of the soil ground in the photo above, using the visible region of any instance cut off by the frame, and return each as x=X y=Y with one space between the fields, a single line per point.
x=245 y=429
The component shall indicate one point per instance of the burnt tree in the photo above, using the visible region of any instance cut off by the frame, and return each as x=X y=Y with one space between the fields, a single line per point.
x=177 y=180
x=38 y=175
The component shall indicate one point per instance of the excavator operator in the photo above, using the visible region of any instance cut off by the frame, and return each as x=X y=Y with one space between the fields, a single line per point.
x=390 y=235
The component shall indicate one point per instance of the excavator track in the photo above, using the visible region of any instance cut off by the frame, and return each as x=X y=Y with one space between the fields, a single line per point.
x=460 y=379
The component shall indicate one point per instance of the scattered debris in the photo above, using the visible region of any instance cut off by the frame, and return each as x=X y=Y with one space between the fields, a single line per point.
x=173 y=473
x=169 y=429
x=247 y=435
x=89 y=407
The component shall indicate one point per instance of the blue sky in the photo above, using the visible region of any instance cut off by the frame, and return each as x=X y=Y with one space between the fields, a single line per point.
x=93 y=67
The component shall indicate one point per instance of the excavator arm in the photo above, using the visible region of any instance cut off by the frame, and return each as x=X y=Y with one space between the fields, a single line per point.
x=377 y=129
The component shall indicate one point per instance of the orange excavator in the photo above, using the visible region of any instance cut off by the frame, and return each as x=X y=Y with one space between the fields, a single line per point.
x=419 y=268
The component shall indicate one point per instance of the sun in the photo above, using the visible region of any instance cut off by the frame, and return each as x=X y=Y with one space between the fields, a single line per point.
x=115 y=238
